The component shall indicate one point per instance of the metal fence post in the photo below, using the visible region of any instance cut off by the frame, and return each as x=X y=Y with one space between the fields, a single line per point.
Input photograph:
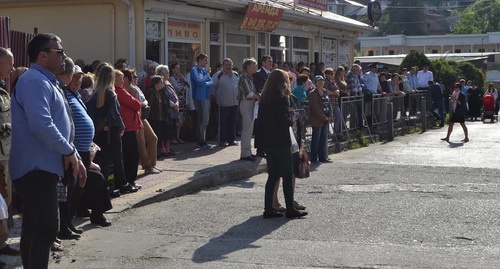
x=423 y=113
x=390 y=126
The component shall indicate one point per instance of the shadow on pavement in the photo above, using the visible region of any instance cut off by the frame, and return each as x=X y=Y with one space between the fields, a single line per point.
x=237 y=238
x=455 y=145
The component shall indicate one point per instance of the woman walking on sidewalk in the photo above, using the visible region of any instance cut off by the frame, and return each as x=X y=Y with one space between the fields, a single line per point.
x=459 y=109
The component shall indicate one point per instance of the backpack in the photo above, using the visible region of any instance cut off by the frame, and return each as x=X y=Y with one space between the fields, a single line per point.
x=5 y=124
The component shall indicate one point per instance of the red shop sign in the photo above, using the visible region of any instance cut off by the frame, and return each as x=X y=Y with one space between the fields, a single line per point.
x=261 y=18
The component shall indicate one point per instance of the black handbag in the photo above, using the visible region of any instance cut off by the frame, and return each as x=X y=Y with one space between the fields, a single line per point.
x=145 y=112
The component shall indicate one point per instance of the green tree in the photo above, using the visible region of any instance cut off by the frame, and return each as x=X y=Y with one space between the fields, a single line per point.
x=415 y=59
x=449 y=71
x=479 y=18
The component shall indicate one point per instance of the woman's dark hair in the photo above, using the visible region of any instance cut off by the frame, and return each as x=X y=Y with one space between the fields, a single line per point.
x=277 y=85
x=128 y=73
x=302 y=79
x=155 y=79
x=39 y=43
x=173 y=65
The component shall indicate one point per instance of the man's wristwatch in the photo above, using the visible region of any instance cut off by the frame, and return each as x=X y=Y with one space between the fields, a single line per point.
x=72 y=152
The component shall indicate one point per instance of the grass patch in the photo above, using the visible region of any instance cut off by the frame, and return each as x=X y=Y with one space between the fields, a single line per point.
x=362 y=141
x=355 y=145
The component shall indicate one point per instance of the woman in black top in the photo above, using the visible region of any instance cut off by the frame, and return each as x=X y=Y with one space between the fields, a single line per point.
x=459 y=110
x=273 y=136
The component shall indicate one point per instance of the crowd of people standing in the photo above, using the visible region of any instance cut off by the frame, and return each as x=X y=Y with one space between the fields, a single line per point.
x=78 y=140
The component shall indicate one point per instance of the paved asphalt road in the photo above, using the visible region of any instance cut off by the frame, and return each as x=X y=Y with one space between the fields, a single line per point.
x=416 y=202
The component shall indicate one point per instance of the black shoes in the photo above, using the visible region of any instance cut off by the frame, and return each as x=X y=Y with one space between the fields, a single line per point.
x=100 y=220
x=73 y=229
x=7 y=250
x=261 y=154
x=135 y=185
x=85 y=213
x=127 y=188
x=272 y=214
x=295 y=214
x=112 y=193
x=67 y=234
x=249 y=158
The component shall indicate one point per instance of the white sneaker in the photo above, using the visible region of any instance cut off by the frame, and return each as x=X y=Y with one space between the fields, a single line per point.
x=152 y=170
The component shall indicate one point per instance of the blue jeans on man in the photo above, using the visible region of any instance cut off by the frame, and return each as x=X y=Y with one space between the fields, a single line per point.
x=319 y=143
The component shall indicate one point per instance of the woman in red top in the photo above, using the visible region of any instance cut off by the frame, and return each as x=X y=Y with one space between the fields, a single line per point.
x=130 y=113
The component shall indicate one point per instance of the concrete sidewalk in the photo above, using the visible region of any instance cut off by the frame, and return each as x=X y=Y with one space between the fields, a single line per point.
x=188 y=171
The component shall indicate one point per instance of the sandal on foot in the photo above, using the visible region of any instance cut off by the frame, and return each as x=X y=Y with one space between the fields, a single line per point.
x=57 y=247
x=298 y=206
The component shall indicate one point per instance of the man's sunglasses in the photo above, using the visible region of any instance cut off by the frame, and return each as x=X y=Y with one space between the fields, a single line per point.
x=58 y=51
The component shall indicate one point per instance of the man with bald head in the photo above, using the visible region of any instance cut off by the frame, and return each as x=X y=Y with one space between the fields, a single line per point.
x=6 y=67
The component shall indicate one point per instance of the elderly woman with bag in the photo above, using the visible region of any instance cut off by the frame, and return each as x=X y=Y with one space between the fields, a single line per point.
x=319 y=117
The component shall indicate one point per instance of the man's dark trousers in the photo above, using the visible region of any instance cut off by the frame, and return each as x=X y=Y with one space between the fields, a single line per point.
x=228 y=118
x=37 y=190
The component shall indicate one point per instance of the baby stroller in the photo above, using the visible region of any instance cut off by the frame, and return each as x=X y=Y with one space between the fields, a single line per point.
x=488 y=107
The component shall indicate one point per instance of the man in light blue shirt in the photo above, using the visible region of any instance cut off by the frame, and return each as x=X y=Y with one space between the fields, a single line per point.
x=413 y=78
x=371 y=80
x=41 y=148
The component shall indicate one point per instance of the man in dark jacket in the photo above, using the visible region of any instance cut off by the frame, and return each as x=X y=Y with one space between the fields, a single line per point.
x=437 y=102
x=259 y=79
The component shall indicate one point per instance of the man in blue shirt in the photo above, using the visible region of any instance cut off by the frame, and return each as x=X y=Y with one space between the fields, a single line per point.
x=41 y=148
x=200 y=87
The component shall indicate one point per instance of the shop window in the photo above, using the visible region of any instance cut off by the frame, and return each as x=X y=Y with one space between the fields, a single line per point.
x=458 y=50
x=300 y=56
x=279 y=48
x=215 y=56
x=183 y=53
x=370 y=53
x=262 y=39
x=215 y=32
x=260 y=53
x=279 y=55
x=154 y=40
x=300 y=43
x=391 y=52
x=435 y=51
x=237 y=39
x=280 y=41
x=237 y=54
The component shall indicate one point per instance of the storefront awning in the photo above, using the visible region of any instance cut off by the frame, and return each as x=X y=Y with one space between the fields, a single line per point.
x=291 y=12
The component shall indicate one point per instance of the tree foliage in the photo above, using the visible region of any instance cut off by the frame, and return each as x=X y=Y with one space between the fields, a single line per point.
x=415 y=59
x=479 y=18
x=451 y=71
x=447 y=70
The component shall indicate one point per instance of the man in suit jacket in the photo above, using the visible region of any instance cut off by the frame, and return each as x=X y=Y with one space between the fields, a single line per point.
x=259 y=79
